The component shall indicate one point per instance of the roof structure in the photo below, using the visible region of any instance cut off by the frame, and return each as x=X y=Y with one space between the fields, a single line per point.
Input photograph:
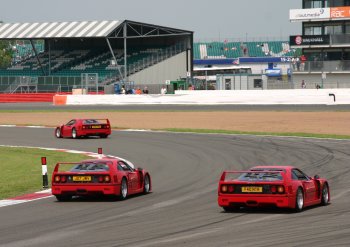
x=75 y=29
x=84 y=29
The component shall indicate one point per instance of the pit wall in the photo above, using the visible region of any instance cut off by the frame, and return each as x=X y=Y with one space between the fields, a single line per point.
x=217 y=97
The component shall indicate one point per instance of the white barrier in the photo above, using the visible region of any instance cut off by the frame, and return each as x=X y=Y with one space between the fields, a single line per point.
x=216 y=97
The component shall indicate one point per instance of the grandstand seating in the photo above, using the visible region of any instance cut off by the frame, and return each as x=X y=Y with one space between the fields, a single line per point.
x=213 y=50
x=72 y=63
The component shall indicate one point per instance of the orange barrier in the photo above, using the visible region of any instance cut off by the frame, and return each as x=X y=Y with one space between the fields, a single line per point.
x=26 y=97
x=59 y=99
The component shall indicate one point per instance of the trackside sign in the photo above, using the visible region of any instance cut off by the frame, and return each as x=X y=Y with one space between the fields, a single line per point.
x=300 y=40
x=309 y=14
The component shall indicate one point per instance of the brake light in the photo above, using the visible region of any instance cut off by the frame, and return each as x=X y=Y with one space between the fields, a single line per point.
x=100 y=179
x=57 y=179
x=84 y=127
x=224 y=188
x=63 y=179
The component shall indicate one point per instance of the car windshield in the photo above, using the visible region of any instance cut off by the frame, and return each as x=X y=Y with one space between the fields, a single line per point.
x=96 y=167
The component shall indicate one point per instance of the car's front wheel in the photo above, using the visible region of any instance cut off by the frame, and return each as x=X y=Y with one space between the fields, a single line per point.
x=74 y=133
x=123 y=189
x=325 y=195
x=299 y=200
x=58 y=133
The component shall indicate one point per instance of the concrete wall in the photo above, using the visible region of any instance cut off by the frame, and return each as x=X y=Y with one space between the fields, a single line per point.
x=170 y=69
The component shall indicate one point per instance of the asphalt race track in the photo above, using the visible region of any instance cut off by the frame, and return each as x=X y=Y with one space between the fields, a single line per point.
x=182 y=210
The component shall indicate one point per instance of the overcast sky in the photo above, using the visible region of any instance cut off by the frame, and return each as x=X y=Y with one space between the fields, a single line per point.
x=209 y=19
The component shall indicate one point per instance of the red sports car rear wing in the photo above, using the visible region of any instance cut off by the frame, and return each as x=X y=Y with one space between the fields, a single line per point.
x=223 y=175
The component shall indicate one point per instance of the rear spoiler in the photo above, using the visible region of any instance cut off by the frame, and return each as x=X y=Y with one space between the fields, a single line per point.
x=223 y=175
x=64 y=163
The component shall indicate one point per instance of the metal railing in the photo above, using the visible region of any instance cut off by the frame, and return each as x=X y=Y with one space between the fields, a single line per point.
x=322 y=66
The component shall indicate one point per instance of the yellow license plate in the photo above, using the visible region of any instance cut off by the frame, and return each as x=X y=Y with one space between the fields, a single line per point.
x=96 y=126
x=81 y=178
x=252 y=189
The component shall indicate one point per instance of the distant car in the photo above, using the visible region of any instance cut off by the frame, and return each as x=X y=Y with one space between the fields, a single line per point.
x=76 y=128
x=280 y=186
x=107 y=176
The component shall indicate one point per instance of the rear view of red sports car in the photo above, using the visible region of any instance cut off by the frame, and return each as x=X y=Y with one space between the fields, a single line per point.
x=76 y=128
x=279 y=186
x=108 y=176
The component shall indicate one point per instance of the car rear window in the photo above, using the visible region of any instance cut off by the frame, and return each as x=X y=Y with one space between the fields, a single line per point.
x=88 y=167
x=255 y=176
x=90 y=121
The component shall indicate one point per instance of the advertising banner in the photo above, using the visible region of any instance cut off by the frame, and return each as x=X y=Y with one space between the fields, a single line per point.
x=301 y=40
x=340 y=12
x=309 y=14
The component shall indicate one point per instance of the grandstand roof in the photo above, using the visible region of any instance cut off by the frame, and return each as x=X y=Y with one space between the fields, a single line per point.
x=75 y=29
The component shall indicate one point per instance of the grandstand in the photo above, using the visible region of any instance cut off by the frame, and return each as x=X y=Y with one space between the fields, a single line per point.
x=56 y=55
x=222 y=50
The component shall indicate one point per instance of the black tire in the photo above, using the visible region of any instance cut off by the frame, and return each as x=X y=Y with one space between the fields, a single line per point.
x=146 y=184
x=103 y=136
x=325 y=195
x=58 y=133
x=123 y=189
x=74 y=133
x=230 y=209
x=63 y=198
x=299 y=200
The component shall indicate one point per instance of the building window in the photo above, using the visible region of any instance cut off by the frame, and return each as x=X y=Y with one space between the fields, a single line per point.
x=257 y=83
x=312 y=30
x=333 y=29
x=337 y=3
x=309 y=4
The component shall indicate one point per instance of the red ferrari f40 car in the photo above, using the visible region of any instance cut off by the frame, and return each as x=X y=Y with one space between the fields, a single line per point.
x=76 y=128
x=107 y=176
x=280 y=186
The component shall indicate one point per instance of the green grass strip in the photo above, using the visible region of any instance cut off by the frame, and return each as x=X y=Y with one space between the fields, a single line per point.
x=211 y=131
x=21 y=169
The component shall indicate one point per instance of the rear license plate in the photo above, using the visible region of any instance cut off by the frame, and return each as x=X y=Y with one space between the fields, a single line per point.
x=96 y=126
x=252 y=189
x=81 y=178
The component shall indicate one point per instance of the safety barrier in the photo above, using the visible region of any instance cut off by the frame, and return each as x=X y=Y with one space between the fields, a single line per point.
x=217 y=97
x=26 y=97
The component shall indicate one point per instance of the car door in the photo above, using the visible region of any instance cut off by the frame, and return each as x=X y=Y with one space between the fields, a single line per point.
x=67 y=128
x=132 y=176
x=308 y=184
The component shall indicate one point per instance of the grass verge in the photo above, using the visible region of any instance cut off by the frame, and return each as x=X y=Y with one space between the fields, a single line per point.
x=210 y=131
x=21 y=169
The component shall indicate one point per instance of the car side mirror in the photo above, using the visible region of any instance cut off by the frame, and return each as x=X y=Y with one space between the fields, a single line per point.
x=316 y=177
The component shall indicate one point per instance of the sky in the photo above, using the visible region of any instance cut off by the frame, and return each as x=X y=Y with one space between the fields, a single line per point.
x=209 y=19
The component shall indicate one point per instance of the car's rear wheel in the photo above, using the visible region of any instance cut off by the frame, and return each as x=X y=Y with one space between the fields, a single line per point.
x=63 y=198
x=74 y=133
x=299 y=200
x=325 y=195
x=146 y=185
x=230 y=209
x=123 y=189
x=103 y=136
x=58 y=133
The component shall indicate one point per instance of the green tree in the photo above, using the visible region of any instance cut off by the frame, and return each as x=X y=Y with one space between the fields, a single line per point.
x=5 y=53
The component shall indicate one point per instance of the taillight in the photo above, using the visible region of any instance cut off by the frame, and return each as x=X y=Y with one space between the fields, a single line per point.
x=63 y=179
x=231 y=189
x=84 y=127
x=100 y=179
x=273 y=189
x=280 y=189
x=224 y=188
x=107 y=178
x=57 y=179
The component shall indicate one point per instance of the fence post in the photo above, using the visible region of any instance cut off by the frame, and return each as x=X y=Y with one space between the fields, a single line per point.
x=44 y=173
